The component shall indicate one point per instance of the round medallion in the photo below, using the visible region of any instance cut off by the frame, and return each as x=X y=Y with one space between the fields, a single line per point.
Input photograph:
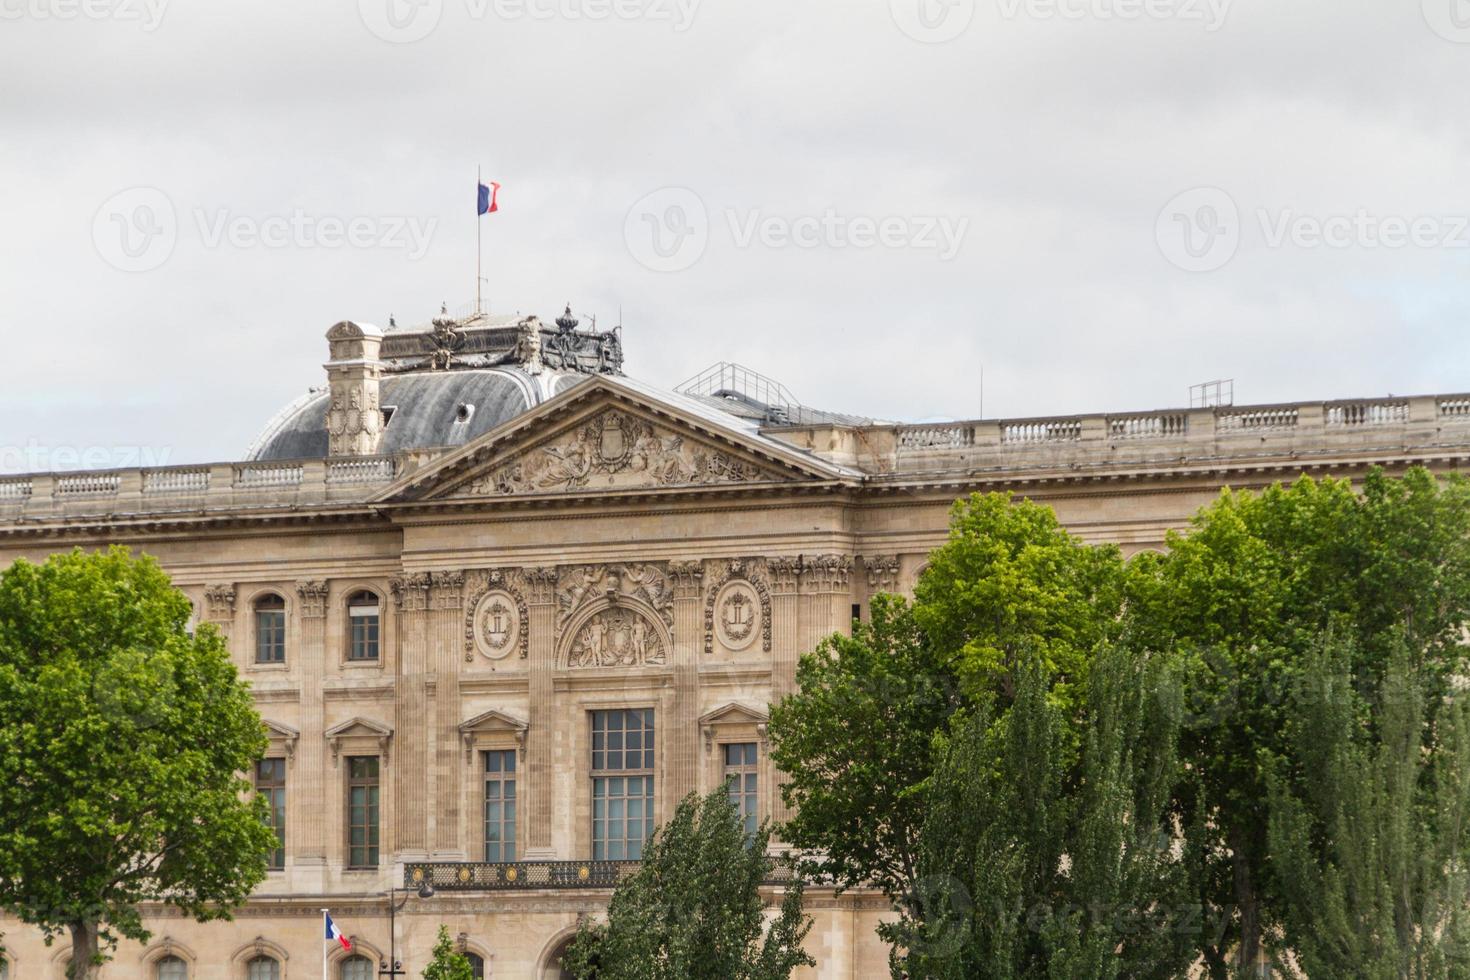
x=583 y=873
x=510 y=874
x=737 y=615
x=497 y=625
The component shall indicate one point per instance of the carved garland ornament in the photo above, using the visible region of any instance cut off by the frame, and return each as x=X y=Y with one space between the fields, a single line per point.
x=496 y=618
x=735 y=605
x=613 y=444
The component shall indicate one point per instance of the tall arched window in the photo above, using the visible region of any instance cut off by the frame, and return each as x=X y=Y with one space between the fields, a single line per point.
x=477 y=965
x=270 y=630
x=263 y=968
x=357 y=968
x=171 y=968
x=362 y=619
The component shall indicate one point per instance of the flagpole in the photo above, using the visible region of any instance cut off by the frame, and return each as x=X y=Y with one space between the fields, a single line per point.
x=324 y=946
x=478 y=266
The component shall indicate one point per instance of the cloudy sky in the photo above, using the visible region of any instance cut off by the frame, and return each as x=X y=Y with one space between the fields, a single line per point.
x=1100 y=202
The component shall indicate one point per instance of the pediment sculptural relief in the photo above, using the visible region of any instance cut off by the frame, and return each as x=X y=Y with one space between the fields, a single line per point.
x=617 y=637
x=615 y=450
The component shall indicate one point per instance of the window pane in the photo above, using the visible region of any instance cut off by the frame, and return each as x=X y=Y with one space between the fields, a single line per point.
x=172 y=968
x=477 y=966
x=357 y=968
x=264 y=968
x=622 y=794
x=500 y=816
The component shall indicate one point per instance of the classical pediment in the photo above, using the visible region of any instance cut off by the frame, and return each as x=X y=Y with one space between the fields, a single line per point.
x=607 y=435
x=357 y=733
x=735 y=713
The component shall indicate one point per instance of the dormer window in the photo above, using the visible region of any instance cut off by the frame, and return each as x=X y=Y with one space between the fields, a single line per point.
x=270 y=630
x=363 y=622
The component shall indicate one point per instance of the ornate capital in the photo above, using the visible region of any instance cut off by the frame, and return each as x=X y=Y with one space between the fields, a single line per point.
x=688 y=577
x=221 y=599
x=540 y=585
x=446 y=589
x=785 y=574
x=410 y=592
x=313 y=599
x=882 y=572
x=828 y=573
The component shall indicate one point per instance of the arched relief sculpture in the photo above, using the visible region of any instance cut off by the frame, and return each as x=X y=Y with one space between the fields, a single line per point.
x=737 y=607
x=614 y=616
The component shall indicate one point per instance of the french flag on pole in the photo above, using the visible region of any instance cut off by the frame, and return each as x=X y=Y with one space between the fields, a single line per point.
x=334 y=933
x=489 y=198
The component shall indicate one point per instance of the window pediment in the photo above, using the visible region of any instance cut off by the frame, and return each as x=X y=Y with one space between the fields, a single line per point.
x=490 y=725
x=358 y=734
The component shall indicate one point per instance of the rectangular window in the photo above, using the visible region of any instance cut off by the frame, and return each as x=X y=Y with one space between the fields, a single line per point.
x=270 y=631
x=742 y=774
x=622 y=783
x=500 y=806
x=362 y=812
x=270 y=783
x=363 y=617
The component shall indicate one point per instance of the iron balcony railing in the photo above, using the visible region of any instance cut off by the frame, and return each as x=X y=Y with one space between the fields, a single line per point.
x=472 y=876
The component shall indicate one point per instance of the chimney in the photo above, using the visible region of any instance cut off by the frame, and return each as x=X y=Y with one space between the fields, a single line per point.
x=355 y=421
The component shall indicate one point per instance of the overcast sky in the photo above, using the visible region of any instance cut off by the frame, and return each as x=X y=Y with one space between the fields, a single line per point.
x=1101 y=202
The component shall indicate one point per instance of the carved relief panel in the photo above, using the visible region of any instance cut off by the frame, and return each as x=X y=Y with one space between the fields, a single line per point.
x=737 y=609
x=496 y=623
x=614 y=616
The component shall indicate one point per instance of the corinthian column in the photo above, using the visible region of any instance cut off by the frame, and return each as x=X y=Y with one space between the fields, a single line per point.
x=683 y=739
x=311 y=764
x=411 y=719
x=786 y=640
x=446 y=625
x=537 y=785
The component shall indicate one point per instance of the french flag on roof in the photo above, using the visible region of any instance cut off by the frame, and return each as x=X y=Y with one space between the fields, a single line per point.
x=334 y=933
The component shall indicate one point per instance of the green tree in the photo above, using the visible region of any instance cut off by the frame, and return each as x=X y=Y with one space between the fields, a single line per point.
x=1029 y=870
x=448 y=963
x=1369 y=830
x=1246 y=595
x=854 y=747
x=1012 y=584
x=854 y=742
x=693 y=910
x=120 y=756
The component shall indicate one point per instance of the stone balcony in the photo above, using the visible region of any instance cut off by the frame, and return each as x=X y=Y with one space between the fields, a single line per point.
x=475 y=876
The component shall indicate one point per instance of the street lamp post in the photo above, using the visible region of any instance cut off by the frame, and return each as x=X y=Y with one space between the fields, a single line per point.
x=392 y=968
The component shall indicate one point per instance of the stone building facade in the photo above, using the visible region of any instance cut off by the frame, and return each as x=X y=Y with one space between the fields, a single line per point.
x=502 y=606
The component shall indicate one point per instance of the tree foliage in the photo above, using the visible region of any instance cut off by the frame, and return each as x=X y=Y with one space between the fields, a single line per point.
x=854 y=747
x=693 y=910
x=1012 y=584
x=121 y=754
x=447 y=962
x=1369 y=833
x=1031 y=870
x=1247 y=595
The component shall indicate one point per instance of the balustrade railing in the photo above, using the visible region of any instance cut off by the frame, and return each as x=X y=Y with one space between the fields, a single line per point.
x=193 y=480
x=942 y=436
x=1454 y=409
x=260 y=476
x=1263 y=418
x=1367 y=413
x=16 y=489
x=524 y=875
x=88 y=485
x=1167 y=425
x=372 y=469
x=1061 y=430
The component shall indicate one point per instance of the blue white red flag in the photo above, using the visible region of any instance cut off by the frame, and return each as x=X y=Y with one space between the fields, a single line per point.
x=489 y=198
x=334 y=933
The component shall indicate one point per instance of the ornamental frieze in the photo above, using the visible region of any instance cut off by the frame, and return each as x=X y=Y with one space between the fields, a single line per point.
x=617 y=450
x=738 y=607
x=496 y=617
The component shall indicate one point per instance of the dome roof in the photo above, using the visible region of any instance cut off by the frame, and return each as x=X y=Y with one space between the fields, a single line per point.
x=424 y=410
